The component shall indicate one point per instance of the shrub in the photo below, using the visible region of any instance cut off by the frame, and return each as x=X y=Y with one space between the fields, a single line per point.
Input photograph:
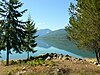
x=36 y=62
x=12 y=62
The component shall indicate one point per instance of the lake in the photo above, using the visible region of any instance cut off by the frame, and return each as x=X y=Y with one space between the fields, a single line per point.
x=53 y=46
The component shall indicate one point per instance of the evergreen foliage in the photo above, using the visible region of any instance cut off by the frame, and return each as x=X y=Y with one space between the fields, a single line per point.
x=84 y=25
x=30 y=36
x=11 y=28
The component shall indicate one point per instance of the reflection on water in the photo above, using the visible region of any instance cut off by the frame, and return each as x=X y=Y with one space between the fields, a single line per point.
x=53 y=46
x=43 y=44
x=66 y=46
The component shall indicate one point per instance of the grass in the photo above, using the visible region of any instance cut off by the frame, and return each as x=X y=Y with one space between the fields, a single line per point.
x=8 y=70
x=42 y=67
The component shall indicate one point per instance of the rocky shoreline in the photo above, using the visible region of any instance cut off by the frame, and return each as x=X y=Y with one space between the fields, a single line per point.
x=51 y=64
x=55 y=56
x=56 y=70
x=60 y=57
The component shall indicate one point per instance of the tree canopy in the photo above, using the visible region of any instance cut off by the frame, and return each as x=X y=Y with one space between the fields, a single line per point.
x=11 y=28
x=30 y=36
x=84 y=25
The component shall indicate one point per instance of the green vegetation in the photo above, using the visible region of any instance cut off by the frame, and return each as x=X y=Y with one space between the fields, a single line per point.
x=18 y=36
x=42 y=32
x=30 y=37
x=15 y=35
x=84 y=27
x=12 y=34
x=32 y=61
x=41 y=62
x=36 y=62
x=51 y=67
x=57 y=34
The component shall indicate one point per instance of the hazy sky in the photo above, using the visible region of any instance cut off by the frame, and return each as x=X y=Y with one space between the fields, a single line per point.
x=52 y=14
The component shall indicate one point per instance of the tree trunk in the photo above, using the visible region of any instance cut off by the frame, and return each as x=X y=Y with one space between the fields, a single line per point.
x=7 y=58
x=98 y=56
x=27 y=55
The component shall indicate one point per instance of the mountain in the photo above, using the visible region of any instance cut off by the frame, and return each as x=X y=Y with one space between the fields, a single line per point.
x=57 y=34
x=58 y=39
x=42 y=32
x=43 y=44
x=68 y=46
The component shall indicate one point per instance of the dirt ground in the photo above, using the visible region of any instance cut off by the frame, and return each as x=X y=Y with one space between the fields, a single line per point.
x=59 y=67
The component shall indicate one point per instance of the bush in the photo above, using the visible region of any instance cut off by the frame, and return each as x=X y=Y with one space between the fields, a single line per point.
x=12 y=62
x=36 y=62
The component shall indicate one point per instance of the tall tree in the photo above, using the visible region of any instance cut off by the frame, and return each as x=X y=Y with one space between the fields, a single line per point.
x=30 y=36
x=84 y=25
x=11 y=28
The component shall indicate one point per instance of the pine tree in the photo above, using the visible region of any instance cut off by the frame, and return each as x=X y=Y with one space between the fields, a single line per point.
x=84 y=27
x=11 y=28
x=30 y=37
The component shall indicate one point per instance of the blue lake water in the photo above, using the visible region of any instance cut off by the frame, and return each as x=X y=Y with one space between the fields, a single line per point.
x=53 y=46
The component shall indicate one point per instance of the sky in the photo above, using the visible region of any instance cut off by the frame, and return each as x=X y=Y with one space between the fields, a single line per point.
x=51 y=14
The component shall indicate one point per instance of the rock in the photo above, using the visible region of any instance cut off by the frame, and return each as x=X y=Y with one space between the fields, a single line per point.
x=24 y=68
x=60 y=56
x=43 y=56
x=64 y=58
x=98 y=65
x=67 y=55
x=54 y=57
x=95 y=63
x=48 y=58
x=73 y=59
x=47 y=54
x=67 y=58
x=57 y=71
x=52 y=54
x=81 y=60
x=20 y=72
